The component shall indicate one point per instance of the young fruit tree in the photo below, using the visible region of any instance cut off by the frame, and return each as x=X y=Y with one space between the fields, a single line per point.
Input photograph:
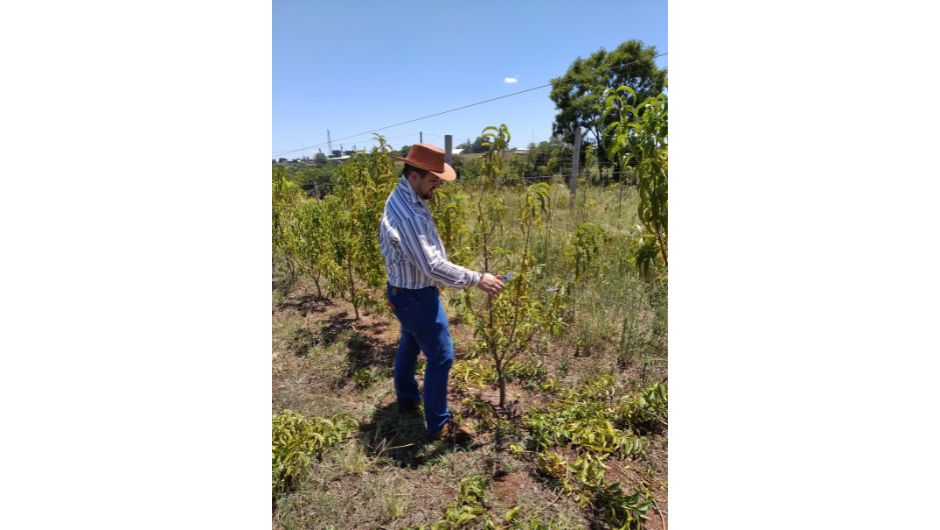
x=355 y=266
x=639 y=133
x=285 y=196
x=507 y=324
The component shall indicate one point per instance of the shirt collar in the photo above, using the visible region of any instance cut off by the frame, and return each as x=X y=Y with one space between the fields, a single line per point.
x=409 y=191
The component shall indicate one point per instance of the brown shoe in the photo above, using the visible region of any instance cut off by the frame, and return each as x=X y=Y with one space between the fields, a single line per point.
x=460 y=434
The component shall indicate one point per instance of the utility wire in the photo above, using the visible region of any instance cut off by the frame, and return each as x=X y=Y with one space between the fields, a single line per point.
x=369 y=140
x=450 y=110
x=416 y=119
x=373 y=140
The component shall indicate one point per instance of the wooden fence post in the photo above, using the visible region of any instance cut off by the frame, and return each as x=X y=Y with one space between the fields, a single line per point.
x=576 y=157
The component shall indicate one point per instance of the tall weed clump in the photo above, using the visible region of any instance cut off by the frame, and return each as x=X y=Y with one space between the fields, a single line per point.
x=297 y=439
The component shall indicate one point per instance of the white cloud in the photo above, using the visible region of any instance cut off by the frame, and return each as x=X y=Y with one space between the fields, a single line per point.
x=510 y=80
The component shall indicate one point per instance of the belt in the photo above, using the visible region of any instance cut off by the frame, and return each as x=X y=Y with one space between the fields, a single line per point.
x=396 y=290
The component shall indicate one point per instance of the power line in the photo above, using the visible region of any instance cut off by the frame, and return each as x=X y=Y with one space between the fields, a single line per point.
x=451 y=110
x=420 y=118
x=373 y=140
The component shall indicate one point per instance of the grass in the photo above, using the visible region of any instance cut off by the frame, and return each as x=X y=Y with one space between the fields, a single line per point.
x=386 y=476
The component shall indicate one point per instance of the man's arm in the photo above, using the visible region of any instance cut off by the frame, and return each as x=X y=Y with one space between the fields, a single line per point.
x=418 y=249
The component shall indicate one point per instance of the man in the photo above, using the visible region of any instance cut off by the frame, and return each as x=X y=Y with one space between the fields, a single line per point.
x=416 y=263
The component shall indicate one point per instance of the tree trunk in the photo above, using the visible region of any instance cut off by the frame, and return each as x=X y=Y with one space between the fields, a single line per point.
x=316 y=280
x=352 y=287
x=662 y=248
x=292 y=274
x=501 y=379
x=601 y=152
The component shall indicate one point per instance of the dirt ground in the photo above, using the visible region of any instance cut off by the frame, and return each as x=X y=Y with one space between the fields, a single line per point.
x=324 y=362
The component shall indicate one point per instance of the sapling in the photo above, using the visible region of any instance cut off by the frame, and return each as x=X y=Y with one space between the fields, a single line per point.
x=639 y=134
x=507 y=324
x=285 y=195
x=354 y=209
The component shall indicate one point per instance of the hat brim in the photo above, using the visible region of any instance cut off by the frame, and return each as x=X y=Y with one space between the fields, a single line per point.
x=448 y=174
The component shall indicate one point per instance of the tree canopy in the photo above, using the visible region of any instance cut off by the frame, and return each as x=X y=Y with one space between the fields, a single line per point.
x=579 y=93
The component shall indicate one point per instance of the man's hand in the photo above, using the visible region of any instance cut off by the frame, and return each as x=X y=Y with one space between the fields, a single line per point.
x=490 y=284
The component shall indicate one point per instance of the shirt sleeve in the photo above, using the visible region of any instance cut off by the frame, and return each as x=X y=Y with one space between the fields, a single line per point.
x=424 y=252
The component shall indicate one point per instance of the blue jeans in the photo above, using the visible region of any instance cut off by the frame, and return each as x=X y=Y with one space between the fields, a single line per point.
x=423 y=329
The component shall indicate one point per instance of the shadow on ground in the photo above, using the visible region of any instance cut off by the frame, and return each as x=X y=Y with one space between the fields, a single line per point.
x=366 y=349
x=301 y=342
x=305 y=304
x=400 y=438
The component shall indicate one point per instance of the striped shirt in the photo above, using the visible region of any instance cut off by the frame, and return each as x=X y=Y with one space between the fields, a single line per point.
x=414 y=254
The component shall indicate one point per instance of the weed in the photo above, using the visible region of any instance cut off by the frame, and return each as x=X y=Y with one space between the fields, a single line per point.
x=550 y=385
x=467 y=508
x=363 y=378
x=622 y=511
x=647 y=411
x=478 y=407
x=586 y=418
x=583 y=480
x=470 y=374
x=296 y=439
x=530 y=374
x=395 y=506
x=353 y=459
x=554 y=466
x=564 y=365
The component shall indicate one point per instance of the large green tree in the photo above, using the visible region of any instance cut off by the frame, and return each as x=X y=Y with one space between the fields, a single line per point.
x=579 y=94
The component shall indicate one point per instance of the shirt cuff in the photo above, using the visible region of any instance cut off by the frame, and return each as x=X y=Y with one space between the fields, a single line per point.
x=475 y=278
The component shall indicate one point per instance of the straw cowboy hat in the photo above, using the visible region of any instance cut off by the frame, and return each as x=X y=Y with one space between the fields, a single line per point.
x=429 y=157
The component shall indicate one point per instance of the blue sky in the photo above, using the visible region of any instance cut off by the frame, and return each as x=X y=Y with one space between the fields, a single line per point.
x=354 y=66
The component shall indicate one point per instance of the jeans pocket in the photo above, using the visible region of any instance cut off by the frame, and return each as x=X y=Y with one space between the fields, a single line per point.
x=403 y=300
